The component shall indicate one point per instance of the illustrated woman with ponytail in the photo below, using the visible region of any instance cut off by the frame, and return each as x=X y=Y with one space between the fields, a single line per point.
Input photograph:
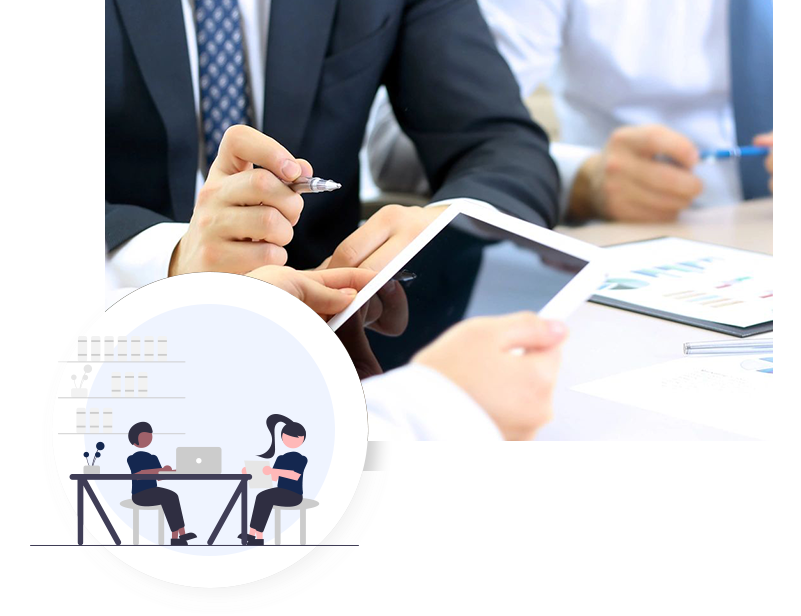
x=287 y=470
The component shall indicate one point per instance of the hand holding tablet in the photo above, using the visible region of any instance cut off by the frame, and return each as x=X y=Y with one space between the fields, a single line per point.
x=507 y=364
x=433 y=278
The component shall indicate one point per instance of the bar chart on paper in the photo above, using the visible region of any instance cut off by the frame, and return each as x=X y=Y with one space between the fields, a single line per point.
x=692 y=279
x=762 y=365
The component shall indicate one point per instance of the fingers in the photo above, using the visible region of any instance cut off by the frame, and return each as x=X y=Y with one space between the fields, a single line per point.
x=238 y=257
x=385 y=253
x=320 y=298
x=654 y=139
x=259 y=186
x=242 y=146
x=633 y=203
x=676 y=185
x=393 y=318
x=355 y=248
x=769 y=169
x=342 y=278
x=327 y=293
x=525 y=330
x=256 y=222
x=545 y=365
x=325 y=264
x=305 y=167
x=765 y=140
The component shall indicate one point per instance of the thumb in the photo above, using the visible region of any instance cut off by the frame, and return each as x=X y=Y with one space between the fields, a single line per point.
x=658 y=140
x=527 y=331
x=322 y=299
x=305 y=167
x=765 y=139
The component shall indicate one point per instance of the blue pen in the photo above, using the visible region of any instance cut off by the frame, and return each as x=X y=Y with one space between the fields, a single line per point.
x=736 y=152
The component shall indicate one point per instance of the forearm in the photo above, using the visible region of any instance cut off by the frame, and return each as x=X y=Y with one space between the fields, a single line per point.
x=286 y=474
x=528 y=191
x=473 y=133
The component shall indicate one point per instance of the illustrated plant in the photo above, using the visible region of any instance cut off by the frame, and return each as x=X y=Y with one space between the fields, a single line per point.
x=100 y=446
x=86 y=370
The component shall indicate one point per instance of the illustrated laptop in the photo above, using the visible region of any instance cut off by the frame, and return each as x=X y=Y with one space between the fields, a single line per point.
x=197 y=461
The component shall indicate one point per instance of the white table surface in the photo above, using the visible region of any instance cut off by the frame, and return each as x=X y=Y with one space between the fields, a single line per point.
x=605 y=341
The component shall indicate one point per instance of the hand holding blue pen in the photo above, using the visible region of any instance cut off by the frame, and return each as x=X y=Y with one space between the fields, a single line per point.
x=627 y=182
x=763 y=146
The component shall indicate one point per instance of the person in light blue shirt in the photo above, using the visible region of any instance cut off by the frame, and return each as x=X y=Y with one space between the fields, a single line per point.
x=287 y=470
x=145 y=492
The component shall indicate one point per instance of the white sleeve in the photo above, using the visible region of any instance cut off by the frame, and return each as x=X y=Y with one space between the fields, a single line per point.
x=418 y=403
x=145 y=257
x=569 y=158
x=113 y=291
x=391 y=155
x=529 y=36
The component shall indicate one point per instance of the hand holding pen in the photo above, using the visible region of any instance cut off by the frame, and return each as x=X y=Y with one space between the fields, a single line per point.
x=627 y=181
x=246 y=210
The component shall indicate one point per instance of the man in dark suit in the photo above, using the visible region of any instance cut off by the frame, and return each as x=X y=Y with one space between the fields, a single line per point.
x=452 y=92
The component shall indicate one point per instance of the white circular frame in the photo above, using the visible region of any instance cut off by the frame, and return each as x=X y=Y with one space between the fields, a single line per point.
x=325 y=348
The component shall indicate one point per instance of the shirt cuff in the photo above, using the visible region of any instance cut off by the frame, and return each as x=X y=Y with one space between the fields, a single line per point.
x=569 y=158
x=145 y=257
x=418 y=403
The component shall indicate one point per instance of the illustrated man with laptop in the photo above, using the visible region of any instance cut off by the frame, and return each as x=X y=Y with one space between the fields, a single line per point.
x=145 y=492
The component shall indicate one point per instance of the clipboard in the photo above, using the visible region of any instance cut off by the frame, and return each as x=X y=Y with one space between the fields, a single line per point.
x=723 y=328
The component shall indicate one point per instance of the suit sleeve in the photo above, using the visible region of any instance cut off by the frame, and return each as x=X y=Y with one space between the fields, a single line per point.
x=124 y=222
x=456 y=98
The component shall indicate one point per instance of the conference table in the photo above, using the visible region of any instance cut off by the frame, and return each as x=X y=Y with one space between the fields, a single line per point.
x=240 y=493
x=605 y=341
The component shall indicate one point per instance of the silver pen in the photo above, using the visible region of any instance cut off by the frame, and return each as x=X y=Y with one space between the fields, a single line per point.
x=729 y=347
x=313 y=185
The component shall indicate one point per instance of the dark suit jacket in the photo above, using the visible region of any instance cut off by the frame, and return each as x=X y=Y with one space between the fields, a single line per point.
x=452 y=93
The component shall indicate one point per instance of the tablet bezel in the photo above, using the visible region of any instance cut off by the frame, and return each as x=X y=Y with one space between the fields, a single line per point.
x=575 y=292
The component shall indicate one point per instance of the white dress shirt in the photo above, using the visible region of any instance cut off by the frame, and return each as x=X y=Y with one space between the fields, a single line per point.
x=611 y=63
x=608 y=63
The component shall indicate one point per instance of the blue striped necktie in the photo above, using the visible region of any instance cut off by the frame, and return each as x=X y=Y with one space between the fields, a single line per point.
x=224 y=88
x=751 y=45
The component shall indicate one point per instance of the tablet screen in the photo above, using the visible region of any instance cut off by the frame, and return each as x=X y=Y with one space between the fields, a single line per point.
x=469 y=269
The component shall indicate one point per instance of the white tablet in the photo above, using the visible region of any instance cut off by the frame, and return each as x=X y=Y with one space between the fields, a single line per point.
x=471 y=261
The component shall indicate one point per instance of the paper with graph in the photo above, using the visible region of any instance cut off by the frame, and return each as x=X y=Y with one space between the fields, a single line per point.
x=732 y=393
x=692 y=279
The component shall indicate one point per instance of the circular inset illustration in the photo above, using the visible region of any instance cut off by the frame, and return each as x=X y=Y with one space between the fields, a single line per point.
x=208 y=415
